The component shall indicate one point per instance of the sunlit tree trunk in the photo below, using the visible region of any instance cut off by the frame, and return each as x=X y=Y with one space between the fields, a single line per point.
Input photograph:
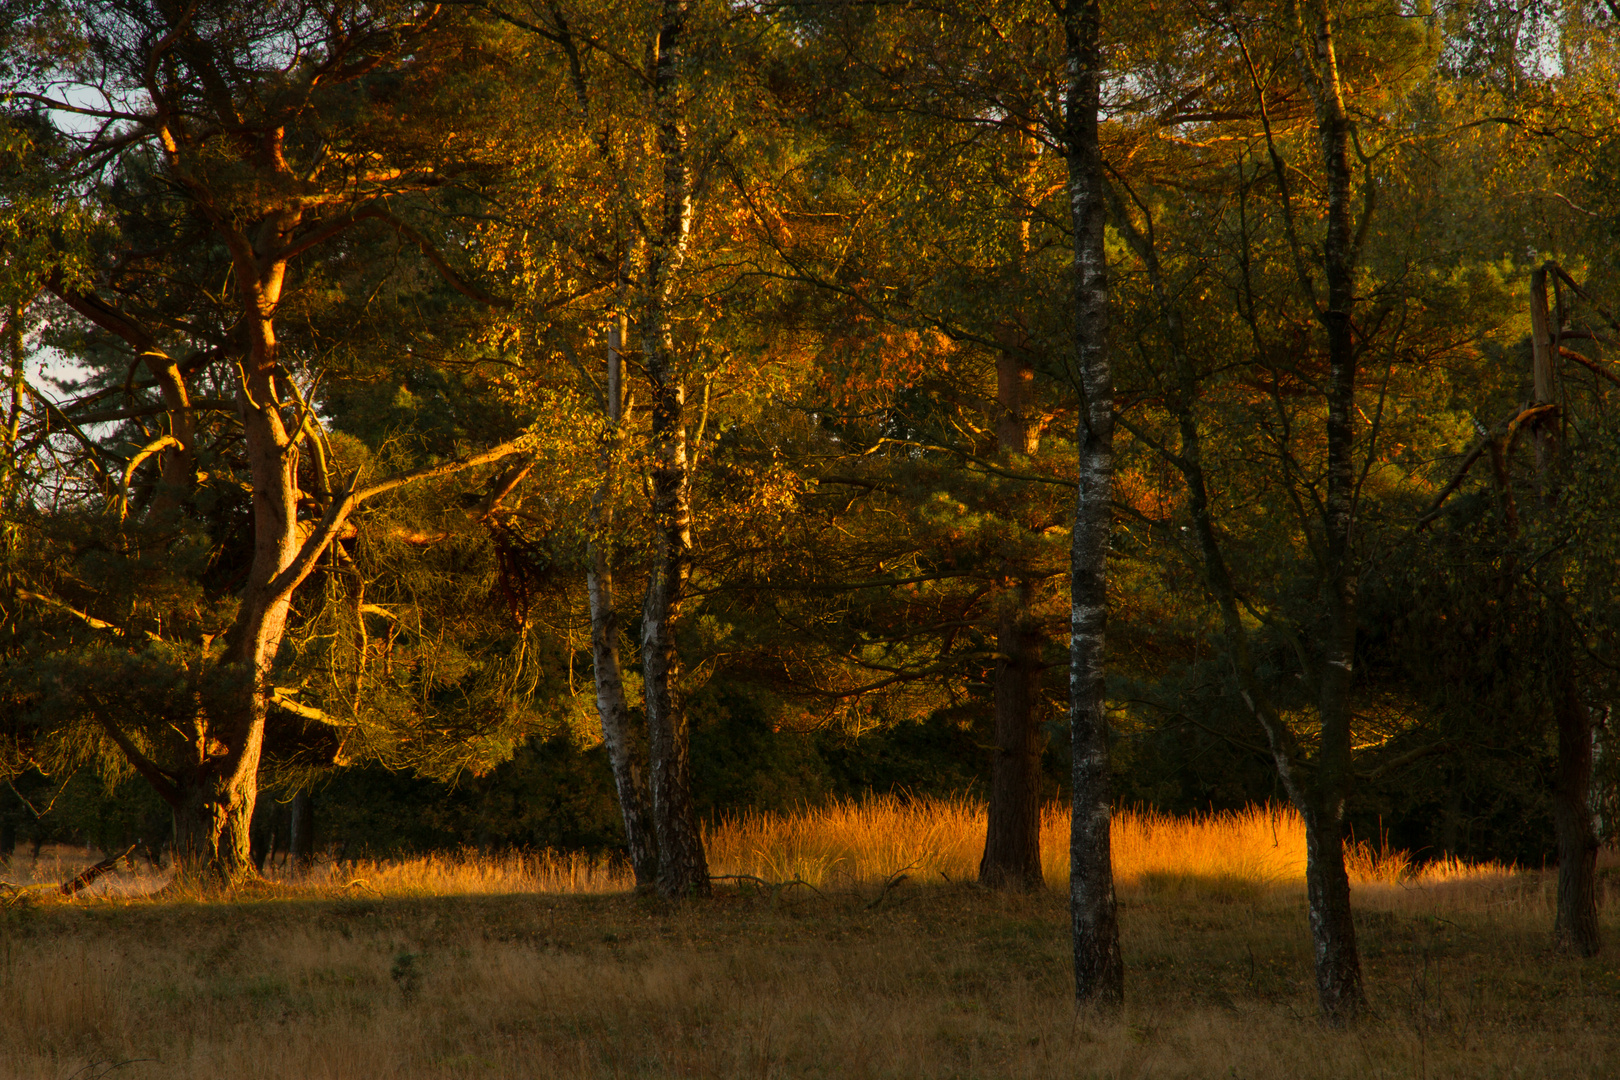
x=216 y=802
x=1098 y=967
x=629 y=780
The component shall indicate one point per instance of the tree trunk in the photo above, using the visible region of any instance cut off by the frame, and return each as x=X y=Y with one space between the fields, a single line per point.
x=1017 y=430
x=1098 y=967
x=628 y=779
x=8 y=838
x=683 y=869
x=1012 y=840
x=1338 y=968
x=301 y=832
x=1012 y=843
x=212 y=823
x=1333 y=933
x=1576 y=925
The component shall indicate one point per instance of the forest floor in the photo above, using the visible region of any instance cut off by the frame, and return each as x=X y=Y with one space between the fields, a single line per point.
x=925 y=978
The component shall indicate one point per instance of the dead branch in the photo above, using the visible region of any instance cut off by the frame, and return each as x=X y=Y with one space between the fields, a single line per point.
x=896 y=879
x=88 y=875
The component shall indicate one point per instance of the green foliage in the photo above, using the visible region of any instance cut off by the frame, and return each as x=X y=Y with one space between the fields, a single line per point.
x=872 y=244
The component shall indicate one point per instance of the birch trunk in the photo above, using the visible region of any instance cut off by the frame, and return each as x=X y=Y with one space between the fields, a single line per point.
x=1333 y=932
x=682 y=867
x=628 y=779
x=1098 y=966
x=1338 y=966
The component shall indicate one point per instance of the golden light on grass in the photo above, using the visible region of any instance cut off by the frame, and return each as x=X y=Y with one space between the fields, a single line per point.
x=870 y=840
x=857 y=842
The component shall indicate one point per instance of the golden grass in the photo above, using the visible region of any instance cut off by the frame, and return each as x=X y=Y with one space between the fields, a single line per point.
x=852 y=842
x=941 y=839
x=418 y=969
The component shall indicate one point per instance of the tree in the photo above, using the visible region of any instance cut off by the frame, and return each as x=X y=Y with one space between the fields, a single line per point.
x=1327 y=291
x=1099 y=970
x=263 y=140
x=973 y=72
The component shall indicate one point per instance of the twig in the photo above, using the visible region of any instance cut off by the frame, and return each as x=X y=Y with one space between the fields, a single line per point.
x=896 y=879
x=776 y=887
x=88 y=876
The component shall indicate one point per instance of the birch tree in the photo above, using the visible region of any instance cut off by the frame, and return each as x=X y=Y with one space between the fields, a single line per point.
x=663 y=99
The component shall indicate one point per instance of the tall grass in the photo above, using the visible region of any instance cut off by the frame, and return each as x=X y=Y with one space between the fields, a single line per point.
x=874 y=840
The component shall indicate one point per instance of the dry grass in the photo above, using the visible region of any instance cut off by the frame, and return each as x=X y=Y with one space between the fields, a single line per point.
x=941 y=839
x=325 y=979
x=855 y=842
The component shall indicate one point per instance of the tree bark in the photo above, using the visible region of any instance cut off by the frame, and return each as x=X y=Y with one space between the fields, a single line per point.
x=1012 y=840
x=1333 y=933
x=629 y=781
x=1017 y=431
x=1012 y=844
x=212 y=829
x=1576 y=924
x=1098 y=966
x=227 y=774
x=682 y=867
x=1338 y=967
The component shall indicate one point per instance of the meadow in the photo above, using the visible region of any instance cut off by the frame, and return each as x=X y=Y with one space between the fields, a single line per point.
x=847 y=941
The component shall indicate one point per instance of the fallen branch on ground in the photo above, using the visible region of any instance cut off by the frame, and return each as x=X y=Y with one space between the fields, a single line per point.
x=88 y=876
x=776 y=887
x=896 y=879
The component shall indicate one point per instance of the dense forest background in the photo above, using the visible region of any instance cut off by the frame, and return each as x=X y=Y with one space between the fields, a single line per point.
x=496 y=300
